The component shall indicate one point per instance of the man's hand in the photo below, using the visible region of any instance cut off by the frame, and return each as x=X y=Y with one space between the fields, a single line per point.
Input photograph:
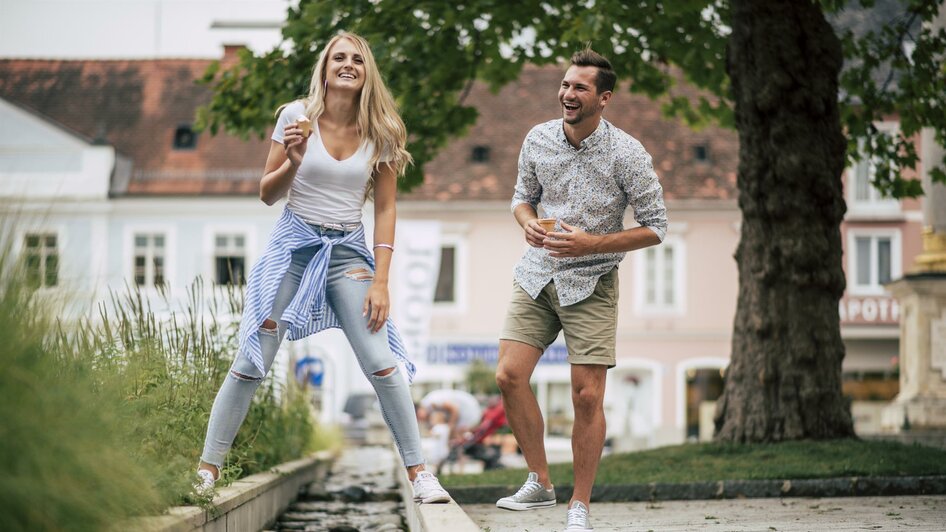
x=574 y=243
x=535 y=235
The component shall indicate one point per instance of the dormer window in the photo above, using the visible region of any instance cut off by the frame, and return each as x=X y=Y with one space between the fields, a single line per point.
x=701 y=153
x=185 y=138
x=480 y=154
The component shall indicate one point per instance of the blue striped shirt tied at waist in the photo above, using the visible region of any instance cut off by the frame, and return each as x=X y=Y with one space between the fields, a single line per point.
x=308 y=312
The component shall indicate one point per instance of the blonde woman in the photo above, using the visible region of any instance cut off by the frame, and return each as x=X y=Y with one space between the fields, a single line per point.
x=316 y=271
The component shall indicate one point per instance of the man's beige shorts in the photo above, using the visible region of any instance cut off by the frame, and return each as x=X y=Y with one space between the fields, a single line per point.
x=590 y=326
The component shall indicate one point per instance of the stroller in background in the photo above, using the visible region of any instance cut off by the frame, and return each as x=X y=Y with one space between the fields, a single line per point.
x=493 y=419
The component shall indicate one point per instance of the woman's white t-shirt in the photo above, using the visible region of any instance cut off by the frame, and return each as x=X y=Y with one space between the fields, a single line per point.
x=325 y=190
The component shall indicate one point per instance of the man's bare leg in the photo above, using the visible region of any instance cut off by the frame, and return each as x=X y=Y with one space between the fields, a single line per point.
x=516 y=363
x=588 y=382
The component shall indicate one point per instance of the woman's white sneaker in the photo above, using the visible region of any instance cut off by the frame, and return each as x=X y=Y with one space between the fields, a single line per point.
x=204 y=487
x=427 y=488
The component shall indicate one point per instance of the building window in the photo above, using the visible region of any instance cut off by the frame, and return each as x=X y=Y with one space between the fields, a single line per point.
x=149 y=259
x=660 y=278
x=863 y=194
x=701 y=153
x=41 y=256
x=863 y=175
x=185 y=138
x=230 y=259
x=480 y=154
x=446 y=291
x=874 y=260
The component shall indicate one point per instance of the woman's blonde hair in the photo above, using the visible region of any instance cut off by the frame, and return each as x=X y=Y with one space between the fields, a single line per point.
x=378 y=119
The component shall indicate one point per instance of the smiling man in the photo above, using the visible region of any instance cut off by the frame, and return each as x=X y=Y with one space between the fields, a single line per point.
x=585 y=173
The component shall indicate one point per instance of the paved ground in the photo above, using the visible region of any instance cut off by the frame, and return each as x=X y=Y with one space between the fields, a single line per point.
x=926 y=513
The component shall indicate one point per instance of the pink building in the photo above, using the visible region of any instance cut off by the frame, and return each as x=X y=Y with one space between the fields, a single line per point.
x=677 y=300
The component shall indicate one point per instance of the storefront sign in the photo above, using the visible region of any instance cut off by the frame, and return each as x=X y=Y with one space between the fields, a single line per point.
x=462 y=354
x=415 y=268
x=881 y=310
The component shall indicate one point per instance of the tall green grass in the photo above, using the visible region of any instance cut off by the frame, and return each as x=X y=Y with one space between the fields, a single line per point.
x=64 y=462
x=104 y=417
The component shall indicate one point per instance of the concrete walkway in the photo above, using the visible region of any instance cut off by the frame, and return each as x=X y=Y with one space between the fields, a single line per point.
x=927 y=513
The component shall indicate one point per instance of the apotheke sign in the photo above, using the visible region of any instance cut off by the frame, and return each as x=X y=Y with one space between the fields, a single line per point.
x=869 y=310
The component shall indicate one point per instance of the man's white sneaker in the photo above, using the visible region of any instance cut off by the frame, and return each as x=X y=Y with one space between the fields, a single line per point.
x=578 y=518
x=531 y=495
x=427 y=489
x=204 y=487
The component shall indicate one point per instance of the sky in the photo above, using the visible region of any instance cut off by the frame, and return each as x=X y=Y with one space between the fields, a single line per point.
x=136 y=29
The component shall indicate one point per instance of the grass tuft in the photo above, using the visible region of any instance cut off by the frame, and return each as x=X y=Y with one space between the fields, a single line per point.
x=104 y=417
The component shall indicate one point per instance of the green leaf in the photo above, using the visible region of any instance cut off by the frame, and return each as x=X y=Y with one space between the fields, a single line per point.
x=429 y=52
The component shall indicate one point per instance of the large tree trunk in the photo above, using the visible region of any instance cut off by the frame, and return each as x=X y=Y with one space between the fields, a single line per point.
x=784 y=379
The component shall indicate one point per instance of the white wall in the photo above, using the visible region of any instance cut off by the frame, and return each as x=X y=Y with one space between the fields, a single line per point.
x=40 y=160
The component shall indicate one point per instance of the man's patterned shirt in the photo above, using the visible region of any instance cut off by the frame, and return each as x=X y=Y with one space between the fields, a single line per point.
x=589 y=187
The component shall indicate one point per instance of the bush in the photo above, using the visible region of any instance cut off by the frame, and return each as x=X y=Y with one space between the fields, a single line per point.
x=104 y=417
x=64 y=462
x=166 y=373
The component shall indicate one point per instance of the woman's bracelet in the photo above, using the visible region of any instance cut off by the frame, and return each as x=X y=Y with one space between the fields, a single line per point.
x=389 y=246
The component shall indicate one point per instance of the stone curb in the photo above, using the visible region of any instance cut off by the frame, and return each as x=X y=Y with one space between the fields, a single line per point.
x=250 y=503
x=727 y=489
x=431 y=517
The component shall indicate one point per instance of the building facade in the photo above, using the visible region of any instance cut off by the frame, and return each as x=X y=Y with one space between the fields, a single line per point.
x=106 y=182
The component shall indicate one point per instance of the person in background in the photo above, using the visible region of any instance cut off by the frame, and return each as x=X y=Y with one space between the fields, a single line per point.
x=463 y=411
x=473 y=443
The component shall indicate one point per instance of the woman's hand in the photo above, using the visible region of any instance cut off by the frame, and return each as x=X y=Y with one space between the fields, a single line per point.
x=377 y=306
x=294 y=143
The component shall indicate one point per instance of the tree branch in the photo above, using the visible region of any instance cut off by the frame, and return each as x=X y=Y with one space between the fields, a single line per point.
x=472 y=76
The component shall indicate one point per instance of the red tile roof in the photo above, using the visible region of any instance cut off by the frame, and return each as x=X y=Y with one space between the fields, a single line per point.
x=506 y=117
x=137 y=105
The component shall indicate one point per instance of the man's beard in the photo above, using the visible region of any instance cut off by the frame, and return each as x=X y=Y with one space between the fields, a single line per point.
x=583 y=113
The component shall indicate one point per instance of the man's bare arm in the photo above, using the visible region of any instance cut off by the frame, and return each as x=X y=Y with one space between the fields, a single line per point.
x=577 y=243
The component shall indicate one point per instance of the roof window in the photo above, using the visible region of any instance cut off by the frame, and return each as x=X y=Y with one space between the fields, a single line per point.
x=185 y=138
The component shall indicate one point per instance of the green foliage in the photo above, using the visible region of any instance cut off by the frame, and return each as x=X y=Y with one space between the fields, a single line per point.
x=481 y=378
x=64 y=463
x=165 y=374
x=713 y=461
x=430 y=52
x=104 y=418
x=882 y=78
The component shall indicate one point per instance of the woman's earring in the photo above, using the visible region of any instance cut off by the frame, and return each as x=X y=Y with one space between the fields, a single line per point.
x=325 y=87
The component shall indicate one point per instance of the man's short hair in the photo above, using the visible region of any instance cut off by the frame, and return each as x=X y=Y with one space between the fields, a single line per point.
x=606 y=77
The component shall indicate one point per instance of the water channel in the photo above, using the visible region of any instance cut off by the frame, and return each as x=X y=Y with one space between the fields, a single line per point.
x=359 y=494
